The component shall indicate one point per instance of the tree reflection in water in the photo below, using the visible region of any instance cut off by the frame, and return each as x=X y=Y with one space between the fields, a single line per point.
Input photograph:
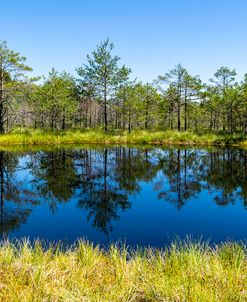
x=101 y=180
x=16 y=200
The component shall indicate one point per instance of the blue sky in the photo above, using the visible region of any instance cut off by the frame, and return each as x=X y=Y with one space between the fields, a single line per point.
x=151 y=36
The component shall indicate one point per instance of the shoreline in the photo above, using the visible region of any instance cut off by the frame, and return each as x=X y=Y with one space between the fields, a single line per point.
x=159 y=138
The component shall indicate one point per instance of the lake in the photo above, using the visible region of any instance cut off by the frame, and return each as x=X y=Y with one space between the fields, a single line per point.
x=142 y=196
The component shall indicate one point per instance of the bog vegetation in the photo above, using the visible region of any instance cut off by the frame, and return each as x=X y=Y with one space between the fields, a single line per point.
x=29 y=136
x=184 y=272
x=104 y=96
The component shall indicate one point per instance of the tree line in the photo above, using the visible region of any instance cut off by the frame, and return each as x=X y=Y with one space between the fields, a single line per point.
x=103 y=95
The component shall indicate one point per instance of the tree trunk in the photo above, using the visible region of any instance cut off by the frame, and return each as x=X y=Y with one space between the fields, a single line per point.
x=105 y=114
x=1 y=103
x=129 y=122
x=52 y=122
x=63 y=121
x=179 y=109
x=146 y=119
x=185 y=111
x=146 y=114
x=179 y=121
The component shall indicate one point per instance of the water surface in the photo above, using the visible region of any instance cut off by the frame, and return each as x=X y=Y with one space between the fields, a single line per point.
x=142 y=196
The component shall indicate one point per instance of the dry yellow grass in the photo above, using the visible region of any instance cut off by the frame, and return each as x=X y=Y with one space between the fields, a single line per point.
x=185 y=272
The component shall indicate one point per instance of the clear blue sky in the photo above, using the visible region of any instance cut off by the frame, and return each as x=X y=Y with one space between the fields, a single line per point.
x=150 y=36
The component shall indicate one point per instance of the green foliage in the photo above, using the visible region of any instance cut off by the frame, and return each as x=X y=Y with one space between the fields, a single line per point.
x=12 y=66
x=180 y=90
x=57 y=99
x=102 y=75
x=104 y=98
x=137 y=106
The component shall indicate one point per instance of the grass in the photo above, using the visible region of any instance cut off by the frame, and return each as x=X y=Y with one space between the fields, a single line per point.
x=42 y=137
x=184 y=272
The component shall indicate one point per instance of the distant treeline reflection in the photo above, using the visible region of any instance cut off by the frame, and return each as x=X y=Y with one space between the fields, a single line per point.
x=102 y=180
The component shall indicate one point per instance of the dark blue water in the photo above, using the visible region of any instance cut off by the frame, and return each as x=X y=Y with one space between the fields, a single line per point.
x=142 y=196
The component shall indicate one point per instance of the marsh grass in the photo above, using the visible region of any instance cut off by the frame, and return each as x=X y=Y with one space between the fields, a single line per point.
x=188 y=271
x=42 y=137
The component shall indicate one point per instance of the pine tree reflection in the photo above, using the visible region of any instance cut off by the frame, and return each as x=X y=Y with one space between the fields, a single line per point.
x=16 y=200
x=101 y=195
x=102 y=180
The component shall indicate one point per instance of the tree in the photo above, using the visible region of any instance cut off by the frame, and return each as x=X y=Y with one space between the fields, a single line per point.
x=167 y=106
x=58 y=99
x=175 y=78
x=243 y=103
x=127 y=105
x=150 y=101
x=103 y=74
x=12 y=66
x=192 y=88
x=224 y=78
x=182 y=87
x=21 y=105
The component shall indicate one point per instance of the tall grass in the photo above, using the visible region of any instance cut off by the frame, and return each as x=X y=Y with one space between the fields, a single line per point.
x=42 y=137
x=183 y=272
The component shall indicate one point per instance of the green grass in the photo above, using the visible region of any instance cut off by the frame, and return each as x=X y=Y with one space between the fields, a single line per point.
x=184 y=272
x=42 y=137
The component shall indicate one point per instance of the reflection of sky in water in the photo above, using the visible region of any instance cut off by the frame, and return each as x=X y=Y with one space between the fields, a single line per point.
x=143 y=197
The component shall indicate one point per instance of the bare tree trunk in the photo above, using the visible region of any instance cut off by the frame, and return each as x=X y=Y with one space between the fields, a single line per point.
x=52 y=122
x=1 y=103
x=63 y=122
x=185 y=111
x=105 y=111
x=179 y=109
x=129 y=121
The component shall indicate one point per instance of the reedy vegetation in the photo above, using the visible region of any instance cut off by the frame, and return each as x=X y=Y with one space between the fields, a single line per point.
x=187 y=271
x=102 y=96
x=28 y=136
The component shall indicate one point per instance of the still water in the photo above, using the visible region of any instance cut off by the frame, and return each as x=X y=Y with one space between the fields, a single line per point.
x=141 y=196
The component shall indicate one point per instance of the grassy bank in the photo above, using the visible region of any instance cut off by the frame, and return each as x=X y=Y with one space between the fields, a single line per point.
x=187 y=272
x=42 y=137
